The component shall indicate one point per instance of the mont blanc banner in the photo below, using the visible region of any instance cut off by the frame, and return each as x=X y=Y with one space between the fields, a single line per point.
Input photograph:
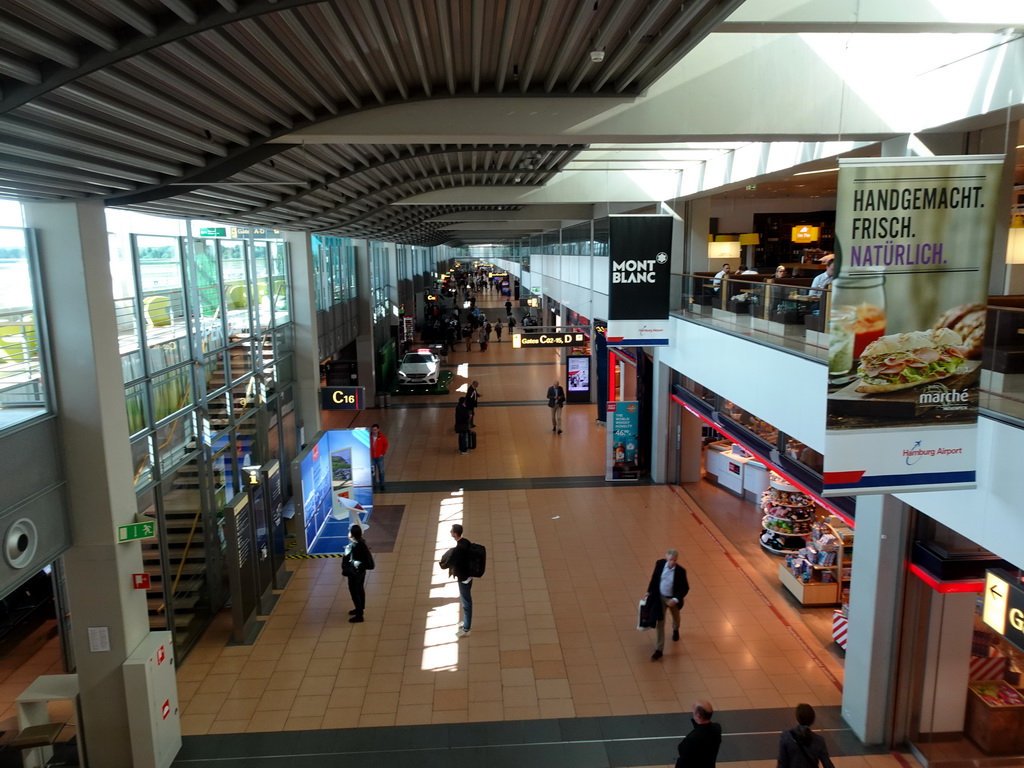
x=638 y=280
x=907 y=322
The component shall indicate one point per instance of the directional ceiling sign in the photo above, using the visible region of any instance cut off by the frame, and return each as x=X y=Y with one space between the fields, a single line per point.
x=994 y=612
x=1003 y=609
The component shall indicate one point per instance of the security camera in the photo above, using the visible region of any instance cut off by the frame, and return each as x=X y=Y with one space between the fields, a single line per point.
x=597 y=56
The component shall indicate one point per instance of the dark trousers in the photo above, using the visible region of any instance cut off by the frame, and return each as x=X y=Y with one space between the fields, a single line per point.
x=357 y=589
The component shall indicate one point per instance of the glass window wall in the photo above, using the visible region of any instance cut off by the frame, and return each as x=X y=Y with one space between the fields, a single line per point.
x=23 y=389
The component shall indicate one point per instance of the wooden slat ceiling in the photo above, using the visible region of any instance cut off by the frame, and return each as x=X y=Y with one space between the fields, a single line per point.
x=168 y=106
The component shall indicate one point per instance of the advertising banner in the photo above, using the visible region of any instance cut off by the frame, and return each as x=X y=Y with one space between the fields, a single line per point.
x=623 y=439
x=638 y=280
x=335 y=486
x=907 y=322
x=577 y=378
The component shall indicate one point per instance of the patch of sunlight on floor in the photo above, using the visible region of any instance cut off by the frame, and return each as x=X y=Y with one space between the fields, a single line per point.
x=440 y=646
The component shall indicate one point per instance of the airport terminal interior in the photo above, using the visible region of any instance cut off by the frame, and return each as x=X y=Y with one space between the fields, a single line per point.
x=554 y=671
x=226 y=224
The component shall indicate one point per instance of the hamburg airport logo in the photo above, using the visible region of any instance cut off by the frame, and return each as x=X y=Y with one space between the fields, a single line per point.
x=662 y=258
x=915 y=453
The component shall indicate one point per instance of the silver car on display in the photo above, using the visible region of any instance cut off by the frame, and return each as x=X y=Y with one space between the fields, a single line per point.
x=419 y=368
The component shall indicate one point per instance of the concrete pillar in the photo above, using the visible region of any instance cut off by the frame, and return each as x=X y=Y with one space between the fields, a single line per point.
x=879 y=552
x=307 y=347
x=691 y=445
x=950 y=633
x=697 y=227
x=661 y=409
x=93 y=421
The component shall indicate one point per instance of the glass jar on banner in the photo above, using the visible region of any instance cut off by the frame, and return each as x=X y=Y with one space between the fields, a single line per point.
x=864 y=295
x=841 y=323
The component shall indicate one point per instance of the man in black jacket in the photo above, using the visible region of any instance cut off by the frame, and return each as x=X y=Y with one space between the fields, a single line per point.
x=460 y=567
x=556 y=399
x=667 y=589
x=462 y=425
x=472 y=400
x=699 y=749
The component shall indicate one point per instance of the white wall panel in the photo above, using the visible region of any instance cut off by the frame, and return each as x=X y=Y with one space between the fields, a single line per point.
x=783 y=389
x=601 y=277
x=991 y=515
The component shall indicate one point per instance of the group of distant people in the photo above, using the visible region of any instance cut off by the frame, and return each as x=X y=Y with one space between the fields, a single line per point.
x=799 y=747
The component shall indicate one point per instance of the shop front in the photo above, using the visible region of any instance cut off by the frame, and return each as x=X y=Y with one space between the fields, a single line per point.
x=956 y=693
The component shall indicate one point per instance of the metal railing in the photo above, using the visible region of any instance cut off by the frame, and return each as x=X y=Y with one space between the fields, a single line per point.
x=790 y=315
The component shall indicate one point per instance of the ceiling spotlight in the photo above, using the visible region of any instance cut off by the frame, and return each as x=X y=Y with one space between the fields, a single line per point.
x=597 y=55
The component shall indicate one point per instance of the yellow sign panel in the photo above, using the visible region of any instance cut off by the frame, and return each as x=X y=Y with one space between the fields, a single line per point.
x=994 y=611
x=804 y=233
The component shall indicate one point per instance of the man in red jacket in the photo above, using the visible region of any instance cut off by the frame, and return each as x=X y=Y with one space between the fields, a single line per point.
x=378 y=447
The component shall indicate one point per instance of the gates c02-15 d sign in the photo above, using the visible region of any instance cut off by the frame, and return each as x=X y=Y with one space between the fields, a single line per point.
x=541 y=339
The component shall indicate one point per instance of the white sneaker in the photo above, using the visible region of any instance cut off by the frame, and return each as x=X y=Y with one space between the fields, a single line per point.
x=463 y=632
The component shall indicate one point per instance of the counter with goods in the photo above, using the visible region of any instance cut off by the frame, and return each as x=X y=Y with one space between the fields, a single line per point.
x=788 y=517
x=731 y=467
x=995 y=717
x=811 y=574
x=995 y=704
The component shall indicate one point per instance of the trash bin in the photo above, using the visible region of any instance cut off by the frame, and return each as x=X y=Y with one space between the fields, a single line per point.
x=387 y=399
x=380 y=399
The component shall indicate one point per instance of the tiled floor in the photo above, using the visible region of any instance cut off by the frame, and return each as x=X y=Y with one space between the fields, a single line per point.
x=554 y=618
x=553 y=638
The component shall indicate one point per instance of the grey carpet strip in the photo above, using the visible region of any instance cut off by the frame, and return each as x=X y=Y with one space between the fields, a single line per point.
x=636 y=740
x=455 y=399
x=496 y=365
x=503 y=483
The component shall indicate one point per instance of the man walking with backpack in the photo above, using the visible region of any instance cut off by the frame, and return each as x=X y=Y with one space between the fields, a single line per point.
x=460 y=566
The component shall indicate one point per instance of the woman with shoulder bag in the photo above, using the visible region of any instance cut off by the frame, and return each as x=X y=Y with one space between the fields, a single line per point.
x=354 y=564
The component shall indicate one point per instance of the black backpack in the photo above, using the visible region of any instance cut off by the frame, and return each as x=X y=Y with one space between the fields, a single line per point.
x=476 y=559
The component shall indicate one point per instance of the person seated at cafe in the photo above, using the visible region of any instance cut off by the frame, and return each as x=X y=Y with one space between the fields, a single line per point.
x=820 y=284
x=781 y=272
x=711 y=286
x=745 y=270
x=824 y=280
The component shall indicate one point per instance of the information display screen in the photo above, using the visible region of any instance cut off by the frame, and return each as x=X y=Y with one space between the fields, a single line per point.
x=579 y=374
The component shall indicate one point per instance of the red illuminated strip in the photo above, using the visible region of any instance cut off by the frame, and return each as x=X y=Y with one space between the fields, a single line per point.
x=850 y=477
x=718 y=428
x=946 y=587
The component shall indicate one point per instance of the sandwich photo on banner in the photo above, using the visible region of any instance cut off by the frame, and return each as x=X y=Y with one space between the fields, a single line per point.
x=906 y=322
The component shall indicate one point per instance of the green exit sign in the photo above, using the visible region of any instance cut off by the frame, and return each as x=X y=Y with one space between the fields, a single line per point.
x=134 y=531
x=213 y=232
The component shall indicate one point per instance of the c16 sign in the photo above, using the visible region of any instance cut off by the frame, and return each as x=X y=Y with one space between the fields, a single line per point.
x=543 y=339
x=342 y=398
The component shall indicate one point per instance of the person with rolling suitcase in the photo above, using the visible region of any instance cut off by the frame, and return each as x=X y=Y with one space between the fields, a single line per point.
x=462 y=425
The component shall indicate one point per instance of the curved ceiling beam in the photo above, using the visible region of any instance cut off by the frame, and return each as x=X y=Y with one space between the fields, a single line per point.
x=249 y=156
x=388 y=208
x=170 y=29
x=450 y=149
